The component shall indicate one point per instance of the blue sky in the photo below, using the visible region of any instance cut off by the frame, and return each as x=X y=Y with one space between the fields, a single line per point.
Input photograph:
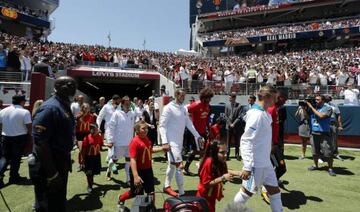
x=163 y=23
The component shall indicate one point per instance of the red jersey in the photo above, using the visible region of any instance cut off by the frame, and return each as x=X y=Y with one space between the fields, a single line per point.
x=92 y=144
x=215 y=130
x=83 y=123
x=200 y=116
x=140 y=149
x=275 y=124
x=215 y=192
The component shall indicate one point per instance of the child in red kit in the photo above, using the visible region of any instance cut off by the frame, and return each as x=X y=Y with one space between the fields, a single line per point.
x=141 y=175
x=90 y=155
x=213 y=174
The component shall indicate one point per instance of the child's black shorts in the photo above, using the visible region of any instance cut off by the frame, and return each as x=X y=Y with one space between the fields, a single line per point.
x=147 y=176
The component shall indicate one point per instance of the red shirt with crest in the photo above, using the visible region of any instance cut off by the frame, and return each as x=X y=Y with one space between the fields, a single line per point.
x=200 y=116
x=140 y=149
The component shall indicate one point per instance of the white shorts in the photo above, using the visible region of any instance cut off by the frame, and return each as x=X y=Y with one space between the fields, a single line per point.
x=260 y=177
x=119 y=151
x=174 y=155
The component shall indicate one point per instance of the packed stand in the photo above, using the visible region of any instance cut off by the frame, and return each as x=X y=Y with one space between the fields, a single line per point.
x=322 y=67
x=283 y=29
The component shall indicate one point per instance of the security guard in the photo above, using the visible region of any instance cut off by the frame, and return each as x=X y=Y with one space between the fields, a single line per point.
x=53 y=132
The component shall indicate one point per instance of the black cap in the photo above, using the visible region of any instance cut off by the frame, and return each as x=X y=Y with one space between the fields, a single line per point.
x=17 y=99
x=116 y=96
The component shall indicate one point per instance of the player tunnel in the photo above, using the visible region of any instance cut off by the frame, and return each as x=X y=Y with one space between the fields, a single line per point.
x=97 y=82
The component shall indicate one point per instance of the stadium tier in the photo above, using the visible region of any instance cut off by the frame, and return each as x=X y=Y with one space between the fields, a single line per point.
x=283 y=27
x=28 y=19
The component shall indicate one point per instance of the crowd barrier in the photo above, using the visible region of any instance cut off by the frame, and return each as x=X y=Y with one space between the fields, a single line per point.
x=349 y=137
x=294 y=91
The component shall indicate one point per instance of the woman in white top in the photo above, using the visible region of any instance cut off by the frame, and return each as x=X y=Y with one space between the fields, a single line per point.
x=25 y=67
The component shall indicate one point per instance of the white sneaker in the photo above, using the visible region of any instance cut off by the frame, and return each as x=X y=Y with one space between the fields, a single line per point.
x=197 y=165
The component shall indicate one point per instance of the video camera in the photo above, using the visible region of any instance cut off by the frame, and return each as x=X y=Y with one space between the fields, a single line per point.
x=309 y=98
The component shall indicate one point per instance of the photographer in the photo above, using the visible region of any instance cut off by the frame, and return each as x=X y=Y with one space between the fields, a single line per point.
x=320 y=139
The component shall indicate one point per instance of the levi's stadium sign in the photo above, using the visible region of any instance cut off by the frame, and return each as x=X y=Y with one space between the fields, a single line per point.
x=115 y=74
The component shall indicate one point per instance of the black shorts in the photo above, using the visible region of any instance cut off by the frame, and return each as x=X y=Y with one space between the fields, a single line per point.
x=81 y=135
x=92 y=164
x=322 y=145
x=148 y=185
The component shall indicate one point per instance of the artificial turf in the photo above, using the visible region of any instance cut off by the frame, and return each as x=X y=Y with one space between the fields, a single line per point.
x=303 y=190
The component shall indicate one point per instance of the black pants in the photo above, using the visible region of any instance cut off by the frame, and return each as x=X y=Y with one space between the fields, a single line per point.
x=236 y=135
x=13 y=148
x=46 y=200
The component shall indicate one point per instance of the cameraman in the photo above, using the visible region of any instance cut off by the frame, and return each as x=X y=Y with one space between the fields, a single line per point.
x=320 y=139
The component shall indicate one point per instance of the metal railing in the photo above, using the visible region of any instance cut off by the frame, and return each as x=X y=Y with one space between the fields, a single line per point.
x=6 y=76
x=294 y=91
x=113 y=65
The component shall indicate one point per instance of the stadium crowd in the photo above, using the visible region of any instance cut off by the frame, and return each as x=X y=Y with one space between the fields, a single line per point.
x=280 y=29
x=315 y=67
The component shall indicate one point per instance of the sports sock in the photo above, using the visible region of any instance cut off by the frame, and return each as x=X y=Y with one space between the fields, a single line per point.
x=127 y=171
x=180 y=181
x=125 y=196
x=90 y=180
x=275 y=202
x=169 y=174
x=241 y=197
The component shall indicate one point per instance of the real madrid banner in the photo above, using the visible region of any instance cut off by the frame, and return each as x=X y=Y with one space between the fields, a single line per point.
x=280 y=37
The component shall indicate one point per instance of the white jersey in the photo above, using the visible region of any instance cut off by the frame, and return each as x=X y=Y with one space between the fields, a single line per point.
x=173 y=121
x=121 y=128
x=255 y=143
x=105 y=114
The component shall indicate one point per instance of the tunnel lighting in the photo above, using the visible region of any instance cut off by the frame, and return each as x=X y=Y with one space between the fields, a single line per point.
x=97 y=88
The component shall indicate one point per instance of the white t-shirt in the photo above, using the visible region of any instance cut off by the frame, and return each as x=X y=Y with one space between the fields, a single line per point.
x=351 y=97
x=75 y=108
x=271 y=78
x=228 y=76
x=184 y=73
x=256 y=141
x=14 y=120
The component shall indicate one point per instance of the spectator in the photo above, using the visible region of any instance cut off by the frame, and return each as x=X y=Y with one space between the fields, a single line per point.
x=25 y=62
x=351 y=96
x=36 y=106
x=3 y=58
x=304 y=127
x=13 y=62
x=229 y=80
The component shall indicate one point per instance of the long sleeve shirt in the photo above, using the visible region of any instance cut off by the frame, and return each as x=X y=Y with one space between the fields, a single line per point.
x=121 y=128
x=173 y=121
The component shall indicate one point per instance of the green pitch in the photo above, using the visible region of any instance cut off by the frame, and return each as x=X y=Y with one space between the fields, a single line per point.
x=303 y=190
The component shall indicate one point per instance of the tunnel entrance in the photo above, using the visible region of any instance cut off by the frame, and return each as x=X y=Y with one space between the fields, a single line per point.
x=97 y=82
